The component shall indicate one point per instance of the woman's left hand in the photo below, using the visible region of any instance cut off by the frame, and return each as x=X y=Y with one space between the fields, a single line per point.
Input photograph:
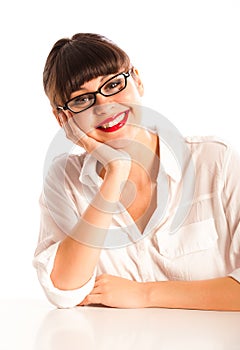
x=118 y=292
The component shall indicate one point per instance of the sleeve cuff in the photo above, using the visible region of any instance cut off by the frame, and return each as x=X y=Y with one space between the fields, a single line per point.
x=235 y=274
x=60 y=298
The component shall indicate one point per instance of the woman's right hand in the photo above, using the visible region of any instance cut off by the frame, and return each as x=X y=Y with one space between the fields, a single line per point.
x=114 y=161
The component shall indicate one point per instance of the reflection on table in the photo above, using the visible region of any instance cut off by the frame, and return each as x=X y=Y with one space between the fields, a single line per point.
x=36 y=325
x=106 y=328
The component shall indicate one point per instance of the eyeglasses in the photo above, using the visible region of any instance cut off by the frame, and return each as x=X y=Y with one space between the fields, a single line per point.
x=111 y=87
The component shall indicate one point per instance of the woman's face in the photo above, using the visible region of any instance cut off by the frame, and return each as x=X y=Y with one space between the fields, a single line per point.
x=115 y=117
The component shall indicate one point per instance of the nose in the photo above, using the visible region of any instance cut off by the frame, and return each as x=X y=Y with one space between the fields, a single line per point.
x=103 y=105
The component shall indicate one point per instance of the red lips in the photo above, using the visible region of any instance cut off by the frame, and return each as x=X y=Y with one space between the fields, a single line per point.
x=106 y=125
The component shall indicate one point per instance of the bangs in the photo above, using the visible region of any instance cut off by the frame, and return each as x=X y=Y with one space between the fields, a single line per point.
x=79 y=61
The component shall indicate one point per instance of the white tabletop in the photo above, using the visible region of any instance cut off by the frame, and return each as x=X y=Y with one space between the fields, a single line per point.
x=36 y=325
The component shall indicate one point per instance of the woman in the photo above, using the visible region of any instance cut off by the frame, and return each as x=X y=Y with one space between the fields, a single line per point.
x=114 y=196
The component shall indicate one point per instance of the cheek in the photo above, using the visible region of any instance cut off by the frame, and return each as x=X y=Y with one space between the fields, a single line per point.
x=84 y=122
x=131 y=97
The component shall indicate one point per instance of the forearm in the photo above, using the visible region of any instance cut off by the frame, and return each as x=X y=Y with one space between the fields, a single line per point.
x=214 y=294
x=78 y=253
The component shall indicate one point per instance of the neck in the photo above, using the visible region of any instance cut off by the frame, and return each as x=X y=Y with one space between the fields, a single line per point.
x=144 y=152
x=144 y=149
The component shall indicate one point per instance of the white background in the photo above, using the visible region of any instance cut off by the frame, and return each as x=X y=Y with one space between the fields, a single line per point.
x=187 y=52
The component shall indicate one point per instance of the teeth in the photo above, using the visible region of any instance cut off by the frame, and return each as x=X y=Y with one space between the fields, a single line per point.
x=114 y=122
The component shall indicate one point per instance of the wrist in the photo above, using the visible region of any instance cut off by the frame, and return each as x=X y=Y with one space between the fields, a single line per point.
x=152 y=294
x=112 y=186
x=146 y=291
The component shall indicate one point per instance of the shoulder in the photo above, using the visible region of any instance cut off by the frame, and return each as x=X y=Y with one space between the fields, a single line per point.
x=208 y=149
x=203 y=142
x=212 y=157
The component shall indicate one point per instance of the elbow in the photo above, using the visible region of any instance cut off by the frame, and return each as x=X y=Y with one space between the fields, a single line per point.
x=64 y=298
x=61 y=302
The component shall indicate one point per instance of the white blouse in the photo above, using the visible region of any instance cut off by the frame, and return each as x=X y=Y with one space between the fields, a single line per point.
x=190 y=236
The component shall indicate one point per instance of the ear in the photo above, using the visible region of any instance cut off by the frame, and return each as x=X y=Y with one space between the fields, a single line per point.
x=138 y=81
x=56 y=114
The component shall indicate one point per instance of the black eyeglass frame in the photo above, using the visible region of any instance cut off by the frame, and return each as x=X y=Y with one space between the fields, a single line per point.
x=65 y=106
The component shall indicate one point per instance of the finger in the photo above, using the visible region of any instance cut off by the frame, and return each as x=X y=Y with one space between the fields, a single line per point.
x=68 y=132
x=80 y=136
x=63 y=119
x=92 y=299
x=96 y=290
x=98 y=278
x=72 y=130
x=84 y=302
x=102 y=152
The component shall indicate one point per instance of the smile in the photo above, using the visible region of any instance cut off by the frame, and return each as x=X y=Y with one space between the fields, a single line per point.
x=114 y=123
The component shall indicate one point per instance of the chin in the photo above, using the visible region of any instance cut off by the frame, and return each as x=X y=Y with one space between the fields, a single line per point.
x=124 y=138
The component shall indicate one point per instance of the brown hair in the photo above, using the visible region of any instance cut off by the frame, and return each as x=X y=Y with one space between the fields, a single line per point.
x=74 y=61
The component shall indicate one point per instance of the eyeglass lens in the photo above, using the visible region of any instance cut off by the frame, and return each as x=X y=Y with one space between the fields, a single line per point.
x=109 y=88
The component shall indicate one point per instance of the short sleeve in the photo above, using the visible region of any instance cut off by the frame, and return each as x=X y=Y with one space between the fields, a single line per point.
x=59 y=214
x=43 y=262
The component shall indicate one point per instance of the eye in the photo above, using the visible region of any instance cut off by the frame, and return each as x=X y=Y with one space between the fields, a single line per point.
x=81 y=100
x=114 y=85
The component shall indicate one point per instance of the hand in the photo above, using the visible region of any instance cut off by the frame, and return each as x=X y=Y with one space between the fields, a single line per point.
x=109 y=157
x=118 y=292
